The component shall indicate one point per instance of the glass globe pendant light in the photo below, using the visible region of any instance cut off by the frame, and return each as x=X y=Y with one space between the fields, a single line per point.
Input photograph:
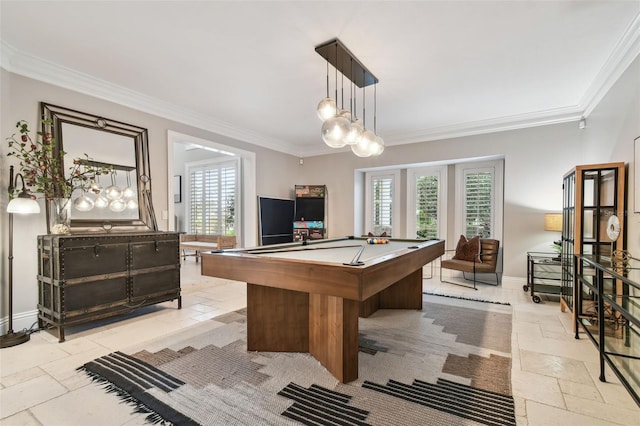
x=83 y=203
x=363 y=147
x=327 y=107
x=128 y=192
x=95 y=187
x=101 y=202
x=334 y=131
x=112 y=191
x=355 y=134
x=377 y=145
x=117 y=205
x=132 y=204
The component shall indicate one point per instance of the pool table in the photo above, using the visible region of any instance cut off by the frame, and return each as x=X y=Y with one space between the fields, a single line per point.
x=307 y=296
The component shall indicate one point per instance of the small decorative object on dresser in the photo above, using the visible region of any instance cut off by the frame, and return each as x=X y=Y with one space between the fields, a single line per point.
x=86 y=277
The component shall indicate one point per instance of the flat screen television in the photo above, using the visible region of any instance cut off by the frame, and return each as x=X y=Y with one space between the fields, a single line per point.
x=276 y=220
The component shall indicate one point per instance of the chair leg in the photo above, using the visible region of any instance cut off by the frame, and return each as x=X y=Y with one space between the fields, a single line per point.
x=483 y=282
x=455 y=283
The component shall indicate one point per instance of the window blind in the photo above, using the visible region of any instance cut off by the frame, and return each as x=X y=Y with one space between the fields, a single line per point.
x=212 y=199
x=382 y=187
x=478 y=190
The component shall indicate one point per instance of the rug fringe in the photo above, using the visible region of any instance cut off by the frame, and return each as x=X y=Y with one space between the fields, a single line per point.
x=466 y=298
x=125 y=397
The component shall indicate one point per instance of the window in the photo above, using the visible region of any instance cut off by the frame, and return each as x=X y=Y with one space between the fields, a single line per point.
x=480 y=196
x=381 y=195
x=426 y=198
x=212 y=197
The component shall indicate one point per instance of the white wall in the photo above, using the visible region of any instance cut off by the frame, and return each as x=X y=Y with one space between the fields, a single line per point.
x=276 y=173
x=611 y=129
x=535 y=161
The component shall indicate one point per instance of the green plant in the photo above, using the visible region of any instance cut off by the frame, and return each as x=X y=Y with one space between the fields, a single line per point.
x=41 y=163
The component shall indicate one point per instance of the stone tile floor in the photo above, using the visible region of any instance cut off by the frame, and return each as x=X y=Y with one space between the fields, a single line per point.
x=554 y=376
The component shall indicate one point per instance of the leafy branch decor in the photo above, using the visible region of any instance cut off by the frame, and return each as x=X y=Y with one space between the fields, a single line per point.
x=41 y=163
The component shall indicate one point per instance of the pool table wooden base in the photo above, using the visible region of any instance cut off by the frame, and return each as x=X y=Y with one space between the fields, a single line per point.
x=281 y=320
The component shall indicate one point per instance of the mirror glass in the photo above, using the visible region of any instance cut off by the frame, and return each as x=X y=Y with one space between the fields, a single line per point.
x=120 y=197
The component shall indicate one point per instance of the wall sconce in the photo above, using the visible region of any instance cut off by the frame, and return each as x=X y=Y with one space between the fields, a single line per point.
x=22 y=204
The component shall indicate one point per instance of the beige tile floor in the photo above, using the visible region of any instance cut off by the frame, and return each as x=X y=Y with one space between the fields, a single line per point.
x=555 y=377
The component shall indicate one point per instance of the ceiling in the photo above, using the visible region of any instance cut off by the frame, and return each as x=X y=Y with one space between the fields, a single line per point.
x=249 y=70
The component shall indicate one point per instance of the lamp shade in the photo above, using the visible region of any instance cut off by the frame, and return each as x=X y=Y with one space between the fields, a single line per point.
x=553 y=222
x=23 y=205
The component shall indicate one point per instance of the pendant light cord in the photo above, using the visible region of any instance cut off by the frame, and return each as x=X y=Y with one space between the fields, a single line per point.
x=364 y=103
x=375 y=107
x=327 y=79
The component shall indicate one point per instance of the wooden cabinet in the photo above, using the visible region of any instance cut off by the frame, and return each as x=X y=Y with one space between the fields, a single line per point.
x=592 y=194
x=82 y=278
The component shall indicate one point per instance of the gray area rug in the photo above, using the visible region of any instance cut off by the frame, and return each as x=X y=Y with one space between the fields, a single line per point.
x=449 y=364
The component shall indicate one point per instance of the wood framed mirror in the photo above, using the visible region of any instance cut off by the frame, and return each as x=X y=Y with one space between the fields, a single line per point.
x=123 y=148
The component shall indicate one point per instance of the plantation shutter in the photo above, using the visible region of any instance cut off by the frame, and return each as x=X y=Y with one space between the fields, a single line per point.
x=382 y=208
x=478 y=193
x=212 y=199
x=227 y=200
x=427 y=206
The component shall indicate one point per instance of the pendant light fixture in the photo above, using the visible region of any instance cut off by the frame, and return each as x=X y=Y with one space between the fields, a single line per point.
x=336 y=128
x=113 y=192
x=344 y=127
x=101 y=202
x=355 y=134
x=377 y=146
x=327 y=107
x=128 y=192
x=83 y=203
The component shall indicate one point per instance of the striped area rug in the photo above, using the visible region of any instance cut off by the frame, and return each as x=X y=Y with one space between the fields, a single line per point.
x=448 y=364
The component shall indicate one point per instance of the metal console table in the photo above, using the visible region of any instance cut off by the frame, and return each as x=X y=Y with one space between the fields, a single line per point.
x=544 y=274
x=610 y=296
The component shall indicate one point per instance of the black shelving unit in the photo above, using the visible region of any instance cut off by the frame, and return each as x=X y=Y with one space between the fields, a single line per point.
x=310 y=221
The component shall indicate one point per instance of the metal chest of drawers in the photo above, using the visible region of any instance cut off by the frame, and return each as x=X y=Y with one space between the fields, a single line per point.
x=84 y=277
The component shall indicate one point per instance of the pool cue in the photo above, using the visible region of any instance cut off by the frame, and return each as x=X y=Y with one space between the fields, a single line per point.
x=356 y=260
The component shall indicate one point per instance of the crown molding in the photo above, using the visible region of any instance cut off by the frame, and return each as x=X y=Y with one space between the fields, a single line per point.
x=623 y=54
x=494 y=125
x=39 y=69
x=500 y=124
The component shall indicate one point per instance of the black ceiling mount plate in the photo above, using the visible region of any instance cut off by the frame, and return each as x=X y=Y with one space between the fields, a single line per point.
x=343 y=60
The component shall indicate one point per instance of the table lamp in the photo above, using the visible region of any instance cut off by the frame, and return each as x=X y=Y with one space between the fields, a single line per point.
x=22 y=204
x=553 y=222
